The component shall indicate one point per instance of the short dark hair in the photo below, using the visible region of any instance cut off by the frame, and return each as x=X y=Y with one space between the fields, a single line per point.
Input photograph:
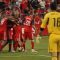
x=53 y=6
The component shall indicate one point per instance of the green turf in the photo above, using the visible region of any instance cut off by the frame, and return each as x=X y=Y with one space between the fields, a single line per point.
x=42 y=54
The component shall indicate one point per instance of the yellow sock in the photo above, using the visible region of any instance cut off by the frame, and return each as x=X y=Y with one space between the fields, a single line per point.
x=54 y=58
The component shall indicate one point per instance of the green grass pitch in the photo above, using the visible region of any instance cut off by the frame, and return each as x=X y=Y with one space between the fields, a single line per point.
x=42 y=54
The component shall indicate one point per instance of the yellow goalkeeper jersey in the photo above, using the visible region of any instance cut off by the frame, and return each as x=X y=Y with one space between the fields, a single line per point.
x=53 y=20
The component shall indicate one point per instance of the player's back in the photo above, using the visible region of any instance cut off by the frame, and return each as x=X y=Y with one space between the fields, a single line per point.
x=54 y=22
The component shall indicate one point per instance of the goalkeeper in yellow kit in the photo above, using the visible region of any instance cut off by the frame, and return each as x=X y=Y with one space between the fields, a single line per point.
x=53 y=20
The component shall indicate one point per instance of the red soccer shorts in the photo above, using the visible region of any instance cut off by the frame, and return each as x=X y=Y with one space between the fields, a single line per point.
x=28 y=33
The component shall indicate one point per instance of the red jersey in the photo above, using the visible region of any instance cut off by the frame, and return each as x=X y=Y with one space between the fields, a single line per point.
x=3 y=29
x=37 y=21
x=3 y=24
x=24 y=5
x=7 y=1
x=27 y=23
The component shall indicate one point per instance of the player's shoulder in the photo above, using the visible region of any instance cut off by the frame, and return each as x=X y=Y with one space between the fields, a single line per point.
x=58 y=14
x=52 y=13
x=47 y=14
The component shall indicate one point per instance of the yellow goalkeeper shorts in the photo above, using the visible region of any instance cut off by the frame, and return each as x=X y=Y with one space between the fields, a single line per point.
x=54 y=43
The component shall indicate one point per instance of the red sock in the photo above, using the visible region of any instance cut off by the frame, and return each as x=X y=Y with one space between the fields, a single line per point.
x=32 y=44
x=23 y=44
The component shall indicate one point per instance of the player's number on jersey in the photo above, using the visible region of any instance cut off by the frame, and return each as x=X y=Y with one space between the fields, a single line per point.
x=56 y=22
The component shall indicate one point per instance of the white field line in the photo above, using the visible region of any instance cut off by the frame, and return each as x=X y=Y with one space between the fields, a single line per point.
x=25 y=56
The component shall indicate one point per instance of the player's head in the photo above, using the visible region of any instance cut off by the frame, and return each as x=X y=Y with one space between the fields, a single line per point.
x=53 y=6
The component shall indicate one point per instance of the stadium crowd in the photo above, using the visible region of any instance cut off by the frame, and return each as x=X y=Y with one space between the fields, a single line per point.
x=20 y=21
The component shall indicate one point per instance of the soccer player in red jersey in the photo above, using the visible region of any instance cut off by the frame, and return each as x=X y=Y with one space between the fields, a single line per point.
x=17 y=29
x=37 y=23
x=17 y=36
x=3 y=30
x=27 y=31
x=6 y=27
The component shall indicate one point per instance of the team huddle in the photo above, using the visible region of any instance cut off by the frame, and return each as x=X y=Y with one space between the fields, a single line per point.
x=13 y=31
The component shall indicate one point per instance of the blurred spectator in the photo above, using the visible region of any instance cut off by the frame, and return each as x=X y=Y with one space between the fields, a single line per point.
x=34 y=3
x=24 y=6
x=8 y=12
x=42 y=4
x=7 y=2
x=2 y=5
x=47 y=5
x=58 y=7
x=0 y=16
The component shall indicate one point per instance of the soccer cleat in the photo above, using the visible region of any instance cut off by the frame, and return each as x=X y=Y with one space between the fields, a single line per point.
x=34 y=51
x=20 y=49
x=13 y=51
x=23 y=50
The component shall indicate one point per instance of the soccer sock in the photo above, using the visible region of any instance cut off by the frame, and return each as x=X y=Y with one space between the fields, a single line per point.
x=10 y=45
x=19 y=46
x=15 y=44
x=54 y=58
x=37 y=39
x=23 y=44
x=32 y=44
